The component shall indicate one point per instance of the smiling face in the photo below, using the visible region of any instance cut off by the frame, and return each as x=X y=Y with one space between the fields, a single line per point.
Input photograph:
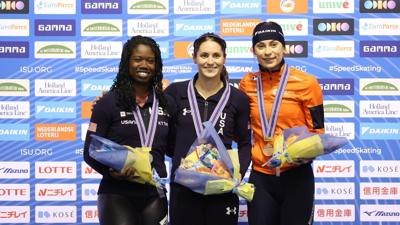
x=269 y=53
x=210 y=59
x=142 y=64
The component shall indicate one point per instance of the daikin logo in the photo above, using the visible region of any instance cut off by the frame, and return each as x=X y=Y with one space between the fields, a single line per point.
x=380 y=131
x=14 y=132
x=55 y=109
x=93 y=87
x=240 y=6
x=379 y=6
x=193 y=27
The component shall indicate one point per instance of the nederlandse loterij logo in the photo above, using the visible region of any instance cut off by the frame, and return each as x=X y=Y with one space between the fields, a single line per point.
x=296 y=49
x=379 y=6
x=101 y=6
x=238 y=27
x=55 y=28
x=14 y=7
x=101 y=28
x=333 y=26
x=380 y=48
x=333 y=6
x=148 y=6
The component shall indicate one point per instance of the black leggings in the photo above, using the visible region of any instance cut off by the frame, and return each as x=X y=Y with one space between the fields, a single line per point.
x=284 y=200
x=121 y=210
x=190 y=208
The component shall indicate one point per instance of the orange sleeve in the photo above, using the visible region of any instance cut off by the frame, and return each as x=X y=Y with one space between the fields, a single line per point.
x=313 y=107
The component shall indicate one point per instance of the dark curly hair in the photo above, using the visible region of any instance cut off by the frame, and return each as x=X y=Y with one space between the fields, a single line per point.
x=124 y=84
x=212 y=37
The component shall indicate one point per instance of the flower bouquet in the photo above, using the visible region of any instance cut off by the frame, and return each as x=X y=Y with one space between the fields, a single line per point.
x=297 y=144
x=209 y=168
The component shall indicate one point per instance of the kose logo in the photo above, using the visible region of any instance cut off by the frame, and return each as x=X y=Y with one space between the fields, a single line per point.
x=339 y=190
x=380 y=48
x=379 y=6
x=14 y=49
x=101 y=6
x=333 y=26
x=337 y=86
x=14 y=7
x=55 y=28
x=55 y=214
x=296 y=49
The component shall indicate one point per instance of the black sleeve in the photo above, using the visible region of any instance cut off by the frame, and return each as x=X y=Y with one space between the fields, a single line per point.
x=243 y=132
x=172 y=110
x=99 y=125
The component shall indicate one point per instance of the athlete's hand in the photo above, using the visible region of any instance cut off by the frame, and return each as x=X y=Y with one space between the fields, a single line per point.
x=94 y=102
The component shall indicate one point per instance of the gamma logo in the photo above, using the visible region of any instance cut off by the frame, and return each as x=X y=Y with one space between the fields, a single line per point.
x=55 y=27
x=101 y=6
x=379 y=6
x=333 y=26
x=14 y=49
x=14 y=7
x=296 y=49
x=380 y=48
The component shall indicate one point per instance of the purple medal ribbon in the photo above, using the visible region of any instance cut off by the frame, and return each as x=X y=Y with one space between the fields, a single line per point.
x=268 y=128
x=146 y=138
x=195 y=108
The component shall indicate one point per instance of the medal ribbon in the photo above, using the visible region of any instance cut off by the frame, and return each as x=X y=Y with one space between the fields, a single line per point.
x=268 y=127
x=195 y=108
x=146 y=138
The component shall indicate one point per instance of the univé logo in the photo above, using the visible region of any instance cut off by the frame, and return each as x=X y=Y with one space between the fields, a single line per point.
x=14 y=7
x=333 y=26
x=379 y=6
x=333 y=6
x=296 y=49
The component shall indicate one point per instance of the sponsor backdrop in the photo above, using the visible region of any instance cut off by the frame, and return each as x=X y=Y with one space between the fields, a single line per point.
x=56 y=55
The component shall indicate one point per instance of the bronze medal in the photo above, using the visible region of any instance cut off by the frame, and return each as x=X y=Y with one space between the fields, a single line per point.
x=268 y=149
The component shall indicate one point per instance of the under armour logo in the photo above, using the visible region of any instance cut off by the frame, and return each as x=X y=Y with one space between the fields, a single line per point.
x=185 y=111
x=230 y=210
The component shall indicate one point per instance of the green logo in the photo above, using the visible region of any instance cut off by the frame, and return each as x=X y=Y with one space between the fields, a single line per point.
x=336 y=108
x=101 y=27
x=55 y=49
x=8 y=86
x=380 y=86
x=148 y=5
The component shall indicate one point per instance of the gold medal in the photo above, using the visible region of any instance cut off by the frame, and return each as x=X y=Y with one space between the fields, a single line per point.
x=268 y=149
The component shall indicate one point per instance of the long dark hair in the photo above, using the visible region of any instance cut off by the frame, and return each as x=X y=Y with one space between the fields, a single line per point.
x=124 y=84
x=221 y=42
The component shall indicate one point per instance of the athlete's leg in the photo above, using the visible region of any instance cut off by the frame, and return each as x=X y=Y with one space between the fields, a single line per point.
x=298 y=202
x=186 y=206
x=264 y=208
x=116 y=210
x=222 y=209
x=156 y=212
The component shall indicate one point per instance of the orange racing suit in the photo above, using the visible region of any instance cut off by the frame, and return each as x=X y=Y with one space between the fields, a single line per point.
x=302 y=104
